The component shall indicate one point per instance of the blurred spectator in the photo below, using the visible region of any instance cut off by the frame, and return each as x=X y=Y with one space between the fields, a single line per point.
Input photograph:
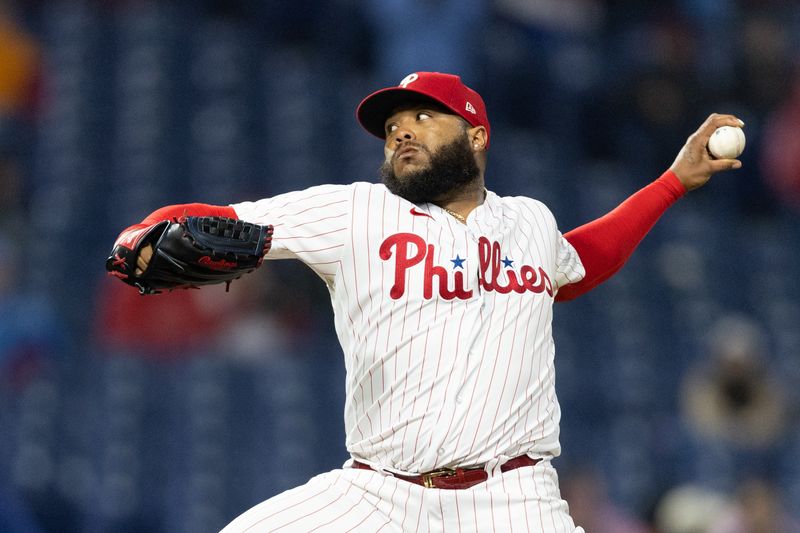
x=19 y=66
x=732 y=397
x=32 y=341
x=762 y=81
x=590 y=507
x=560 y=15
x=257 y=317
x=12 y=210
x=689 y=509
x=175 y=324
x=662 y=103
x=766 y=56
x=758 y=509
x=19 y=72
x=653 y=99
x=425 y=35
x=781 y=149
x=541 y=59
x=256 y=328
x=31 y=335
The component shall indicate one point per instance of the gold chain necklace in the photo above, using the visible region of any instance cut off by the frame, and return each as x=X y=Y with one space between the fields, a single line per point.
x=458 y=216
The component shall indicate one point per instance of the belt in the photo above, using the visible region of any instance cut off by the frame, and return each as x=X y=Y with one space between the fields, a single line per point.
x=455 y=478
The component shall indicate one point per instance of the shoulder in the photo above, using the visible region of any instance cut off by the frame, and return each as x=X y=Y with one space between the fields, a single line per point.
x=328 y=189
x=350 y=189
x=366 y=186
x=366 y=193
x=357 y=192
x=315 y=194
x=331 y=197
x=527 y=208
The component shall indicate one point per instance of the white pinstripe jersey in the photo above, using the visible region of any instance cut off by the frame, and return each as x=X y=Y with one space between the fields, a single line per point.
x=445 y=327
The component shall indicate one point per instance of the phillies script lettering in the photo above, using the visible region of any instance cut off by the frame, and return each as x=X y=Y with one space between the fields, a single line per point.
x=409 y=250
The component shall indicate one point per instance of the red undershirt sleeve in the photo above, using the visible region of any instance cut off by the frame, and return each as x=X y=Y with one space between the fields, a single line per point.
x=605 y=244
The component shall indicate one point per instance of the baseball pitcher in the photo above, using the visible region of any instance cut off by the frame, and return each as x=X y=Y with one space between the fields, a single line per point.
x=443 y=297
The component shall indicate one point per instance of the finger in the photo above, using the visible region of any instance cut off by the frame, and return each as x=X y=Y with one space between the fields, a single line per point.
x=714 y=121
x=718 y=165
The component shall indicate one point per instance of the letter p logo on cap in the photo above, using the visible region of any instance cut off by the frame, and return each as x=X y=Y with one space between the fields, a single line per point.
x=445 y=89
x=411 y=78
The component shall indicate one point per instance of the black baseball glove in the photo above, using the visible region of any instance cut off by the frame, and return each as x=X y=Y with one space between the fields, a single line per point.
x=190 y=252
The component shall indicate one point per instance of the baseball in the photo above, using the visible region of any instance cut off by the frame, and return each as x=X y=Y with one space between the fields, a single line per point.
x=726 y=142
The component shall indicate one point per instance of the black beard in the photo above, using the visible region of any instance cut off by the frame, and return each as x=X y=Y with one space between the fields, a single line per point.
x=452 y=167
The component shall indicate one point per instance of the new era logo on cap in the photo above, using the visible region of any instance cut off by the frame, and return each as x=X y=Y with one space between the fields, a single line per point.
x=446 y=89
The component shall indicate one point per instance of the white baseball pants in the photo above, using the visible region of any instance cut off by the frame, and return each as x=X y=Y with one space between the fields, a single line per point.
x=526 y=499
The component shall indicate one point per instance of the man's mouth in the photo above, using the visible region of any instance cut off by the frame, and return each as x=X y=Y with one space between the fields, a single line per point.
x=406 y=151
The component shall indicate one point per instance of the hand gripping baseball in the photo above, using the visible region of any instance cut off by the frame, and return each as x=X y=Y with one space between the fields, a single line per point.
x=694 y=165
x=189 y=252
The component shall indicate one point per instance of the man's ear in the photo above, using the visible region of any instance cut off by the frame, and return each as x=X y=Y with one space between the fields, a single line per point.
x=477 y=138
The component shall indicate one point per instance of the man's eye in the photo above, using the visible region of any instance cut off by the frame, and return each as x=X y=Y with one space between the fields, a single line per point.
x=423 y=116
x=391 y=127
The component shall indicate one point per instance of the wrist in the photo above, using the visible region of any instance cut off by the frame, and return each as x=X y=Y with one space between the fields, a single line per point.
x=673 y=182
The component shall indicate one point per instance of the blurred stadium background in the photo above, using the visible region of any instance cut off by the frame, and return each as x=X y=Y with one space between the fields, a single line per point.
x=679 y=379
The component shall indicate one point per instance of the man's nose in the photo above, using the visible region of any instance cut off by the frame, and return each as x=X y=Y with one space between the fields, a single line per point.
x=403 y=134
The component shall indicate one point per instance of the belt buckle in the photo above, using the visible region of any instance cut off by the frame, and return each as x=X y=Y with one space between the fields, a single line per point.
x=427 y=478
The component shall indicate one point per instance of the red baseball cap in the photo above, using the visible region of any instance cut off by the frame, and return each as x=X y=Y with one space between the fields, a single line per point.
x=446 y=89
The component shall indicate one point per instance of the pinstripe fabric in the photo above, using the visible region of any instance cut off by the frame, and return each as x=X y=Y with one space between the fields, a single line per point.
x=445 y=327
x=522 y=500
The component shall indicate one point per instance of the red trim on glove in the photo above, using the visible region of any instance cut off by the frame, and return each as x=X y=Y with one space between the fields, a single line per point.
x=130 y=237
x=605 y=244
x=189 y=210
